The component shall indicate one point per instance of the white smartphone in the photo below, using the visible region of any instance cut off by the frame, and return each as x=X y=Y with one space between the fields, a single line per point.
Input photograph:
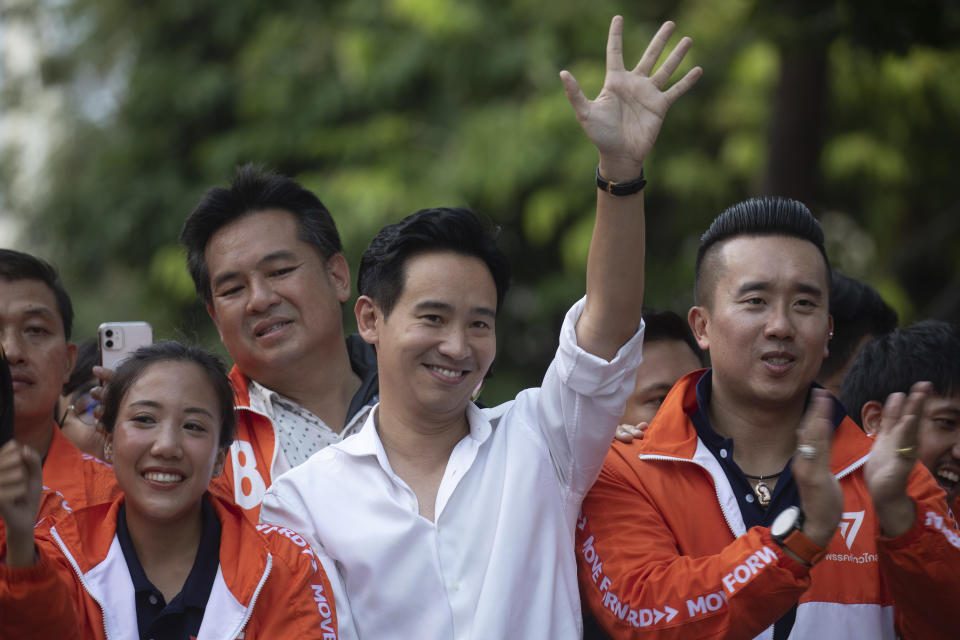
x=120 y=339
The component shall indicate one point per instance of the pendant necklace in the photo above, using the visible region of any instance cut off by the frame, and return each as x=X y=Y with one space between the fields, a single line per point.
x=762 y=490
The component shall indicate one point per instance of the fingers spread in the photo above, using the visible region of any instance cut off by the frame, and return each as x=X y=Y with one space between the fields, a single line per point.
x=683 y=85
x=654 y=49
x=615 y=45
x=673 y=61
x=577 y=100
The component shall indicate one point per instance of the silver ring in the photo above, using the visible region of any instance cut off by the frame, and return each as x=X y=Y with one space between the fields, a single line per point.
x=808 y=451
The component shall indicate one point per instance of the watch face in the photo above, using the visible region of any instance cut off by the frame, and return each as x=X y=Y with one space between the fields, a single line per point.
x=785 y=522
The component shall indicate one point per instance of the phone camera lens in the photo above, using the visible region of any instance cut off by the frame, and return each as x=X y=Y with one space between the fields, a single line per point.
x=109 y=333
x=109 y=344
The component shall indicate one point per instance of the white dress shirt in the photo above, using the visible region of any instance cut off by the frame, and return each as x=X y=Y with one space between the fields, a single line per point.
x=498 y=562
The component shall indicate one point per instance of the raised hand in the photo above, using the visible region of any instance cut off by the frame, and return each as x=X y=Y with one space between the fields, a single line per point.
x=20 y=491
x=819 y=489
x=625 y=118
x=893 y=456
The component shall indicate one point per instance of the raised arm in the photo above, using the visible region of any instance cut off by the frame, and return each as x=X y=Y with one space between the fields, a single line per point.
x=623 y=122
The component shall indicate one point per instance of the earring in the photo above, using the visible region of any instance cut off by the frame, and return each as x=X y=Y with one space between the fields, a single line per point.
x=831 y=335
x=108 y=452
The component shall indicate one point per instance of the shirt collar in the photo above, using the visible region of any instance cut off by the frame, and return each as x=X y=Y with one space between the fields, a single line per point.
x=261 y=399
x=196 y=590
x=367 y=441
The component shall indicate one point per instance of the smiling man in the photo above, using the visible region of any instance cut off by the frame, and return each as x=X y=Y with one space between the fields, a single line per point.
x=446 y=520
x=265 y=257
x=36 y=317
x=754 y=507
x=927 y=350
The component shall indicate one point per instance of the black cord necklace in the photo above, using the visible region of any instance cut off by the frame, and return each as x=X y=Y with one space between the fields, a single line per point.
x=762 y=490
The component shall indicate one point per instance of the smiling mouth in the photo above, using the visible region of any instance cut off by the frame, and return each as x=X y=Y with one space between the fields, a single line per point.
x=164 y=478
x=947 y=478
x=274 y=327
x=451 y=374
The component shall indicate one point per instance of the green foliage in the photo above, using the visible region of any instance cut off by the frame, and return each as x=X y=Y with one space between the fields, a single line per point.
x=384 y=107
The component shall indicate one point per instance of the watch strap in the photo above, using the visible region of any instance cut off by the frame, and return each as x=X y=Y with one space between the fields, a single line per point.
x=621 y=188
x=803 y=547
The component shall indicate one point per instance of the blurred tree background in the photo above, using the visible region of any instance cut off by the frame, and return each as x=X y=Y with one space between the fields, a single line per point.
x=383 y=107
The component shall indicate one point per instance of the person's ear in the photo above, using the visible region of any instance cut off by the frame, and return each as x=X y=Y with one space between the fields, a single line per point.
x=339 y=273
x=369 y=319
x=699 y=319
x=220 y=461
x=108 y=448
x=826 y=345
x=70 y=361
x=870 y=417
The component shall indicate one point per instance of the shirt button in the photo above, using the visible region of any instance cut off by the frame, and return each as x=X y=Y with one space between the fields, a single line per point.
x=723 y=453
x=455 y=586
x=152 y=599
x=748 y=497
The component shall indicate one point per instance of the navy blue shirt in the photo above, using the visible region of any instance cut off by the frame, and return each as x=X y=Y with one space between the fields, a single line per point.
x=785 y=494
x=181 y=617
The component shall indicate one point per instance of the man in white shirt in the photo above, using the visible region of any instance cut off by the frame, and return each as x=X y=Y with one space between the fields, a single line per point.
x=449 y=521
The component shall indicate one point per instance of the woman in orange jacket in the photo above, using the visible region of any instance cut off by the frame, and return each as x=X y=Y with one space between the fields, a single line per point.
x=165 y=558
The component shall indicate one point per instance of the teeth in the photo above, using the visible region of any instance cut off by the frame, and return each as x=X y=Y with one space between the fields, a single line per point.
x=271 y=328
x=157 y=476
x=448 y=373
x=948 y=475
x=777 y=360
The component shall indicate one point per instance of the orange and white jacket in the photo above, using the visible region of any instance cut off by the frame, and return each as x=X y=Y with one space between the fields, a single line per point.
x=251 y=465
x=663 y=552
x=71 y=480
x=268 y=584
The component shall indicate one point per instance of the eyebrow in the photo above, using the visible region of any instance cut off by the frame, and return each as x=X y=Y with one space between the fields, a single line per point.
x=156 y=405
x=764 y=285
x=948 y=410
x=427 y=305
x=44 y=312
x=279 y=254
x=658 y=386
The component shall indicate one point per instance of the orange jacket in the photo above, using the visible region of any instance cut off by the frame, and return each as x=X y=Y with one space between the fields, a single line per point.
x=71 y=480
x=249 y=468
x=268 y=584
x=663 y=552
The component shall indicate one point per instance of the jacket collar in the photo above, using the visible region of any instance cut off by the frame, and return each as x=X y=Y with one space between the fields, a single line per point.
x=672 y=433
x=89 y=542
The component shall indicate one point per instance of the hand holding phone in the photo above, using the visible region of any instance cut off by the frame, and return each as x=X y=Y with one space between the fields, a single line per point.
x=118 y=340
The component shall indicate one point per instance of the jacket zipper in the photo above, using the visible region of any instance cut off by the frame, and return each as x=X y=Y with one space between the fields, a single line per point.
x=253 y=600
x=726 y=516
x=76 y=569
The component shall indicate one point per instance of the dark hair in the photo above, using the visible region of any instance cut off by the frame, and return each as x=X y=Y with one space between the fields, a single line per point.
x=16 y=265
x=166 y=351
x=767 y=216
x=459 y=230
x=926 y=350
x=858 y=311
x=82 y=378
x=254 y=189
x=667 y=325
